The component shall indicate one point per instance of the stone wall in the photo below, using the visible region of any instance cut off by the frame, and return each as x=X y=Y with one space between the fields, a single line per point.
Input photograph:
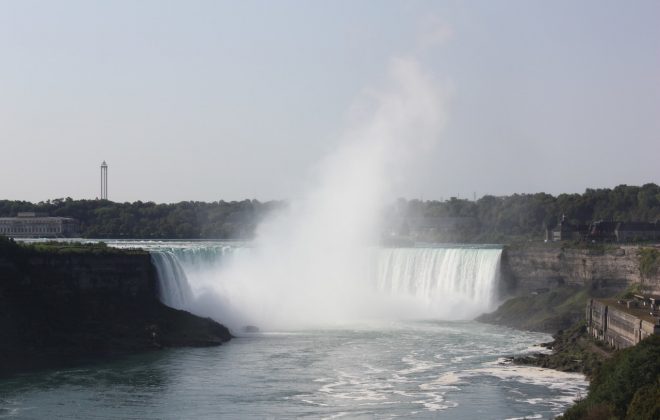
x=529 y=268
x=620 y=324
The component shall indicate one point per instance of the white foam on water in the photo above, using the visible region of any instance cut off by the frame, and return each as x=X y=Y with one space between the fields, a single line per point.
x=443 y=381
x=570 y=385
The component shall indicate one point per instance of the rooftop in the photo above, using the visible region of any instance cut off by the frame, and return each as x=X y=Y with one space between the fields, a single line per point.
x=34 y=218
x=641 y=313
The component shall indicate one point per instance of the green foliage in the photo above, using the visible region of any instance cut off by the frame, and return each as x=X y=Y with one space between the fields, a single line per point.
x=645 y=403
x=97 y=248
x=626 y=386
x=557 y=309
x=649 y=260
x=184 y=220
x=18 y=251
x=521 y=217
x=573 y=351
x=631 y=291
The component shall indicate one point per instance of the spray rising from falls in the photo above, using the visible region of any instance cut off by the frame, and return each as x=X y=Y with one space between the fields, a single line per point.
x=440 y=282
x=310 y=262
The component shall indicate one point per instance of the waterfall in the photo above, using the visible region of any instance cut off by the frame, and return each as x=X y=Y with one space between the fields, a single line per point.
x=452 y=282
x=181 y=269
x=173 y=286
x=441 y=276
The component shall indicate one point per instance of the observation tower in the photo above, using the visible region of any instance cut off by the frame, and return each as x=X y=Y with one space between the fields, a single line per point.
x=104 y=181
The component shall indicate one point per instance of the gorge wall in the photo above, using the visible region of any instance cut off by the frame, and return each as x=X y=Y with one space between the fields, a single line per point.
x=112 y=274
x=58 y=308
x=529 y=268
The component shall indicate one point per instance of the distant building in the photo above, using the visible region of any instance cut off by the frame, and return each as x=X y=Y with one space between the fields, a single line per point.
x=637 y=231
x=602 y=231
x=605 y=231
x=34 y=225
x=566 y=231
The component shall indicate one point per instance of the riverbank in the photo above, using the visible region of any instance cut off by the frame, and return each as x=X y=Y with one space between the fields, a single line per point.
x=624 y=384
x=573 y=350
x=559 y=312
x=627 y=386
x=61 y=304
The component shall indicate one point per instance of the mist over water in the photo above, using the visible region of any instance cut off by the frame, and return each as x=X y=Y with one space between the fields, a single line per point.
x=441 y=282
x=312 y=263
x=308 y=265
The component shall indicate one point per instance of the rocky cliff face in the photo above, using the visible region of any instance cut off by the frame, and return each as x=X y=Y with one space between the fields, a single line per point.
x=60 y=308
x=525 y=269
x=129 y=276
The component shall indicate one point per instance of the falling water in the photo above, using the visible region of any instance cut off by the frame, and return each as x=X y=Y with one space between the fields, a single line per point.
x=173 y=286
x=449 y=283
x=457 y=282
x=313 y=262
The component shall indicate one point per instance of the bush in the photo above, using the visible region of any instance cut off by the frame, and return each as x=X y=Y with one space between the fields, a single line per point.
x=649 y=260
x=645 y=403
x=625 y=386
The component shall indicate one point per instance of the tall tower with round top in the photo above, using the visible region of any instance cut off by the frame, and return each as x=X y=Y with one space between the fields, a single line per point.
x=104 y=181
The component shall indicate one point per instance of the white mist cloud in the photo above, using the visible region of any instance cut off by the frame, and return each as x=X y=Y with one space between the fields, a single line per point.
x=309 y=266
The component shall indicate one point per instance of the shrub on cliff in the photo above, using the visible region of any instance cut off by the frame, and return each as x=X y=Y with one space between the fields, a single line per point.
x=649 y=260
x=624 y=387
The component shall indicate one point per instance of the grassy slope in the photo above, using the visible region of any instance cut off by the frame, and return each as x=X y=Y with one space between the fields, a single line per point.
x=549 y=312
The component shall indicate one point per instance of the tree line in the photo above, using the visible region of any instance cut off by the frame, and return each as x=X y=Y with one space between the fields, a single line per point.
x=526 y=216
x=492 y=219
x=148 y=220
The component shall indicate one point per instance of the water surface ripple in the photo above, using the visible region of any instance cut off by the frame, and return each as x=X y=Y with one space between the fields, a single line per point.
x=429 y=369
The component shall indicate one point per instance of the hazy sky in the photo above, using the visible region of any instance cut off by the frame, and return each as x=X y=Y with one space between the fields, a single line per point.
x=210 y=100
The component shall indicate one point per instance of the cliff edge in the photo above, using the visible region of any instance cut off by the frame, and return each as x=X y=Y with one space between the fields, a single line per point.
x=62 y=304
x=530 y=267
